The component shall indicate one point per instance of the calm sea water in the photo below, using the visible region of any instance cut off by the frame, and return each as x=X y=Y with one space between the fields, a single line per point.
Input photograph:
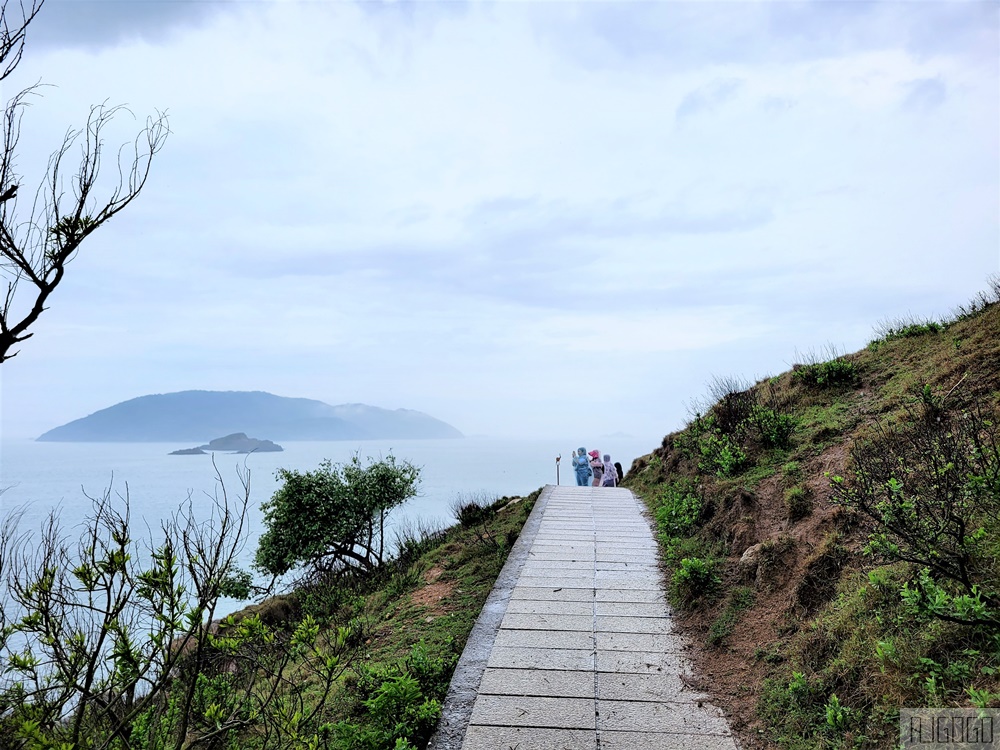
x=42 y=477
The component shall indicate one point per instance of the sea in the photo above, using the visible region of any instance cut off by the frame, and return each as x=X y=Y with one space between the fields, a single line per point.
x=38 y=479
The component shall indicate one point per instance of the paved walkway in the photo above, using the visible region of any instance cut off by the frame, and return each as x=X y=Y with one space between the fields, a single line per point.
x=576 y=649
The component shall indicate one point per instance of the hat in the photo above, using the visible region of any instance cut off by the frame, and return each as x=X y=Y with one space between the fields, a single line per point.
x=595 y=454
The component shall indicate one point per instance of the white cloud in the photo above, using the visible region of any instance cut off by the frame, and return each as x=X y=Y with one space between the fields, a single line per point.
x=481 y=210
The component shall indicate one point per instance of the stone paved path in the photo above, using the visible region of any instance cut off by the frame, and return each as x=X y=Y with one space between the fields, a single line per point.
x=576 y=649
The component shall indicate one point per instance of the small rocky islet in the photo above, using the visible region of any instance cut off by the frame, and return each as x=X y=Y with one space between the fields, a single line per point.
x=238 y=442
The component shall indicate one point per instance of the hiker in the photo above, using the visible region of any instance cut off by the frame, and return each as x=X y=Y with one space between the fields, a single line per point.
x=619 y=472
x=582 y=467
x=610 y=476
x=596 y=467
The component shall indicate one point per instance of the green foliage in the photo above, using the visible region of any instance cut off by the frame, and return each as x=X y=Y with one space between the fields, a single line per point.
x=836 y=713
x=931 y=488
x=905 y=328
x=677 y=508
x=475 y=510
x=740 y=598
x=830 y=374
x=333 y=518
x=695 y=579
x=773 y=430
x=399 y=705
x=720 y=454
x=742 y=421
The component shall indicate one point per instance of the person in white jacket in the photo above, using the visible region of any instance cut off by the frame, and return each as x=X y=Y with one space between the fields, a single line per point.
x=610 y=476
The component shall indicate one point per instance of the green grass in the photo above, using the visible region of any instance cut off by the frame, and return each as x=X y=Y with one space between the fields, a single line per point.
x=740 y=599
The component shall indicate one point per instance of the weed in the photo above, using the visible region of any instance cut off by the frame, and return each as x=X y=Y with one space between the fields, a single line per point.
x=472 y=510
x=720 y=455
x=740 y=598
x=798 y=502
x=835 y=372
x=905 y=328
x=677 y=508
x=695 y=579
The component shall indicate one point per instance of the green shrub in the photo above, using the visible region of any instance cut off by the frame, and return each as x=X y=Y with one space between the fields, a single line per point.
x=677 y=508
x=905 y=328
x=432 y=672
x=774 y=430
x=720 y=455
x=931 y=490
x=695 y=578
x=835 y=372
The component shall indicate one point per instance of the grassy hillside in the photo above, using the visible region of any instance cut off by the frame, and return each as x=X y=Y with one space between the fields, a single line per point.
x=831 y=534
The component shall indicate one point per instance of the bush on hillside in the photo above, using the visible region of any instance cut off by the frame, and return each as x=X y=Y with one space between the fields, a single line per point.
x=829 y=374
x=333 y=518
x=931 y=489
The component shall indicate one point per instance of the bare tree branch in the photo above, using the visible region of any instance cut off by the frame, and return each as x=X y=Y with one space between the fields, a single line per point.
x=34 y=251
x=14 y=20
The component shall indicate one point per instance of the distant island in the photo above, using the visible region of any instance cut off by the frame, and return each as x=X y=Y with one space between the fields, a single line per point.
x=193 y=416
x=238 y=442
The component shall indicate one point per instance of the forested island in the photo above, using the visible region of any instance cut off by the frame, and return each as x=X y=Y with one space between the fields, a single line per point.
x=193 y=416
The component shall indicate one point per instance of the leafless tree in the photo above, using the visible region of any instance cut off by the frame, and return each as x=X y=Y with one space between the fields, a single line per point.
x=35 y=249
x=13 y=22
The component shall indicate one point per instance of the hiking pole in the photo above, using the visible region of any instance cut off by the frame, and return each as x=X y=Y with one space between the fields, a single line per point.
x=557 y=468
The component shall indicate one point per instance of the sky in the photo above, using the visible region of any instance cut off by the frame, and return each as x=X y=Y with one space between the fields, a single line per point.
x=528 y=219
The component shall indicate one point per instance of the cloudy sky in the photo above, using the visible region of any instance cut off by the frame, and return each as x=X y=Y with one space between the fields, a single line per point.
x=524 y=218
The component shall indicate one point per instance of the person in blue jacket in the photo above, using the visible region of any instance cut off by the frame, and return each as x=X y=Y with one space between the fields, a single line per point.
x=581 y=465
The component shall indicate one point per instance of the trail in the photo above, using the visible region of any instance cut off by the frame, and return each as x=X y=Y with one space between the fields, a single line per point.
x=576 y=647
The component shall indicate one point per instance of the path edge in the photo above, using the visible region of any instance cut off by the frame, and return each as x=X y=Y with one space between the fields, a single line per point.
x=464 y=686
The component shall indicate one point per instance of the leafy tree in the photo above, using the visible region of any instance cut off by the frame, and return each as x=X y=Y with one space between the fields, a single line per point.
x=333 y=518
x=35 y=248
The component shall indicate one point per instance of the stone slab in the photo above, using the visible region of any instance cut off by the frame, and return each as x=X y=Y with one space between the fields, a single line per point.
x=627 y=595
x=558 y=581
x=563 y=659
x=645 y=558
x=518 y=621
x=660 y=741
x=532 y=567
x=639 y=662
x=534 y=711
x=535 y=738
x=560 y=594
x=658 y=609
x=629 y=579
x=662 y=642
x=555 y=639
x=552 y=683
x=661 y=687
x=673 y=718
x=535 y=607
x=616 y=565
x=622 y=624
